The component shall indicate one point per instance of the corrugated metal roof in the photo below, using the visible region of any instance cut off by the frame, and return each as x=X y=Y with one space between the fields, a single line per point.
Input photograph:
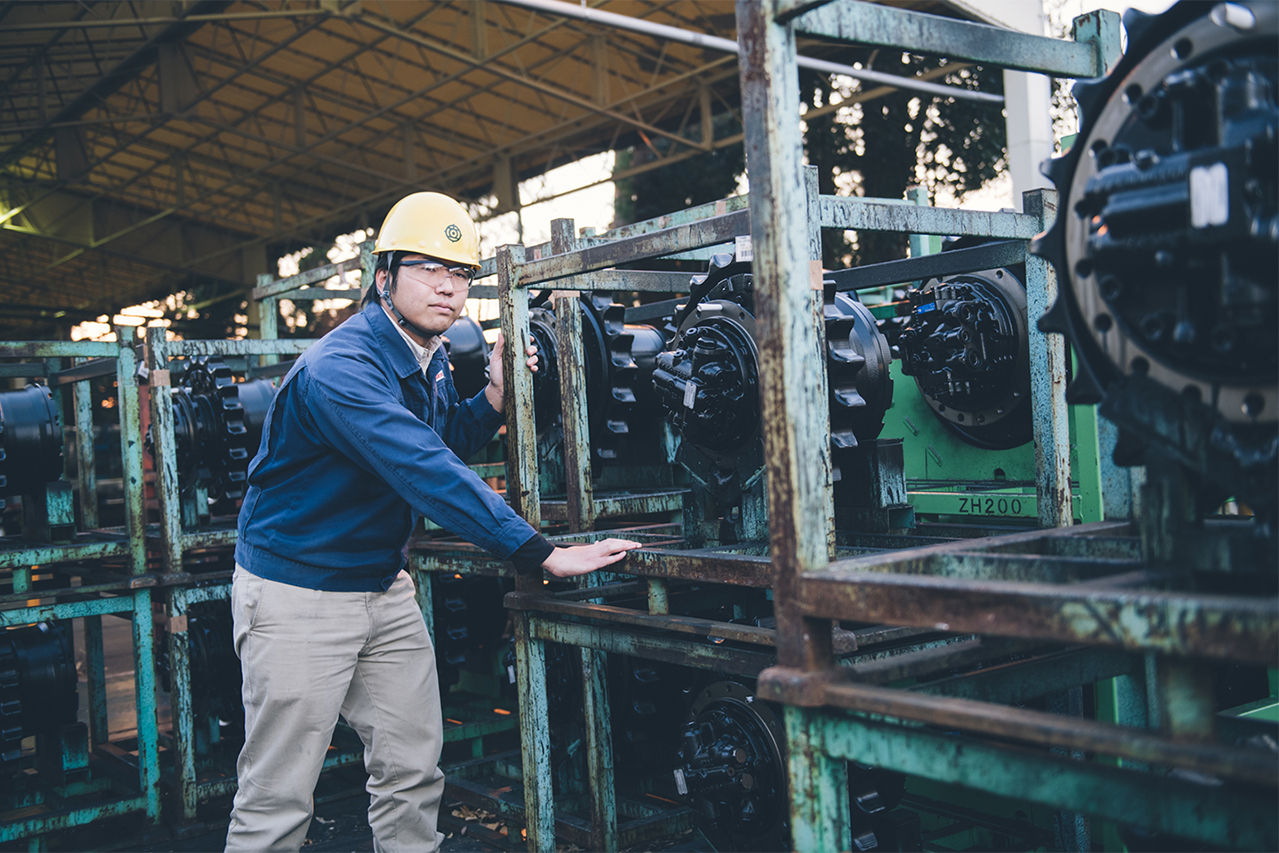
x=151 y=144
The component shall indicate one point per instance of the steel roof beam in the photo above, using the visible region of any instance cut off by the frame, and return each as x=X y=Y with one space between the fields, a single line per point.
x=113 y=80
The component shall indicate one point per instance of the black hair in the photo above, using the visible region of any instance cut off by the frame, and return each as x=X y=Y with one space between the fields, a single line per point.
x=388 y=261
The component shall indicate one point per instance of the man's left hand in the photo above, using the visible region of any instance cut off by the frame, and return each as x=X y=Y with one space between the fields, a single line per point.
x=496 y=389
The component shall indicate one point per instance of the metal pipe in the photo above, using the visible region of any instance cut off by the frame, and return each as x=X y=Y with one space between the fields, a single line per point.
x=638 y=25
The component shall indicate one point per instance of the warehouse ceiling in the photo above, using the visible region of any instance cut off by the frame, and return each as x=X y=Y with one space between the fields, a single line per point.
x=154 y=146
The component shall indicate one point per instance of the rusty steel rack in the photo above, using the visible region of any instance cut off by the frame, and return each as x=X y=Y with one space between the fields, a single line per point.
x=583 y=618
x=1078 y=605
x=1071 y=585
x=68 y=567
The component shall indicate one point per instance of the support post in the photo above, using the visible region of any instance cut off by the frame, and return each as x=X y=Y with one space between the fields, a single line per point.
x=135 y=518
x=788 y=290
x=599 y=750
x=183 y=711
x=820 y=818
x=530 y=668
x=96 y=676
x=1047 y=379
x=86 y=469
x=268 y=319
x=166 y=471
x=521 y=432
x=574 y=412
x=575 y=417
x=524 y=495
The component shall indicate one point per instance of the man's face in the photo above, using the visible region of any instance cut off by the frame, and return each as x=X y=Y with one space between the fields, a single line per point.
x=431 y=299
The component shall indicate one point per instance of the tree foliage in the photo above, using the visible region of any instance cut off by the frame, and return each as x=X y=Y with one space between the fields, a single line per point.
x=683 y=183
x=879 y=147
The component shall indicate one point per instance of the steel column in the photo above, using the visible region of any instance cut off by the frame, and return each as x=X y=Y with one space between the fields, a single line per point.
x=131 y=449
x=144 y=696
x=86 y=470
x=599 y=750
x=135 y=518
x=574 y=411
x=820 y=819
x=581 y=511
x=166 y=455
x=181 y=707
x=530 y=669
x=788 y=290
x=522 y=490
x=95 y=673
x=1047 y=378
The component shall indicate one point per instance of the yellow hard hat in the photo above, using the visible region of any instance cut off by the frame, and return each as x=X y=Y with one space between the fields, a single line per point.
x=430 y=224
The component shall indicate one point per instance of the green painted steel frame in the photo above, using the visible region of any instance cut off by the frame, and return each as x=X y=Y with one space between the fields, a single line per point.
x=175 y=541
x=1232 y=816
x=809 y=593
x=131 y=596
x=516 y=273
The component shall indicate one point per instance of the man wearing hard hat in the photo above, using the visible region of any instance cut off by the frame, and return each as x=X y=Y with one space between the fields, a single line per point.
x=365 y=435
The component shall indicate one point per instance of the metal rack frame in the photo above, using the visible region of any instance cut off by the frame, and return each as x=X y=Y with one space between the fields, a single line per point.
x=597 y=628
x=829 y=720
x=129 y=596
x=180 y=588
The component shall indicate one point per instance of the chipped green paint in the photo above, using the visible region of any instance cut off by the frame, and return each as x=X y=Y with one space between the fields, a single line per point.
x=872 y=24
x=818 y=787
x=1228 y=816
x=539 y=811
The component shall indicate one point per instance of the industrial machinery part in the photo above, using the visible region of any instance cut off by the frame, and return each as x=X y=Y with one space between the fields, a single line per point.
x=468 y=625
x=37 y=684
x=1166 y=243
x=469 y=356
x=217 y=424
x=708 y=384
x=215 y=668
x=618 y=362
x=731 y=766
x=860 y=387
x=966 y=345
x=30 y=440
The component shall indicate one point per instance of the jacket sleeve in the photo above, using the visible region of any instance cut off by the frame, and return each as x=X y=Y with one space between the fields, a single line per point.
x=470 y=424
x=356 y=408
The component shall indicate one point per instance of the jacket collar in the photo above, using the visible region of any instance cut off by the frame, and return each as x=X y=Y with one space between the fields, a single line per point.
x=390 y=345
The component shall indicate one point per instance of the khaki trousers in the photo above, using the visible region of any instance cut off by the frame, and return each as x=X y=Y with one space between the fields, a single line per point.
x=308 y=656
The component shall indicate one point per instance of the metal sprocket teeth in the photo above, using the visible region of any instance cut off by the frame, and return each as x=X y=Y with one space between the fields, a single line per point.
x=851 y=414
x=212 y=377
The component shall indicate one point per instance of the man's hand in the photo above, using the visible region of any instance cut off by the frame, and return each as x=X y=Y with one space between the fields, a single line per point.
x=583 y=559
x=496 y=389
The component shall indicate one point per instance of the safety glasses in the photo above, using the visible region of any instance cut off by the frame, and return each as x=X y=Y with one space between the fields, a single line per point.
x=460 y=276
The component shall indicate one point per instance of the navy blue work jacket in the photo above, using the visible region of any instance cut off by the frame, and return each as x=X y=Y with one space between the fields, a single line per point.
x=358 y=444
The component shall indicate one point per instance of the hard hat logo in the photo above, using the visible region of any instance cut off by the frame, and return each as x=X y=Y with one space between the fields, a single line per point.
x=453 y=233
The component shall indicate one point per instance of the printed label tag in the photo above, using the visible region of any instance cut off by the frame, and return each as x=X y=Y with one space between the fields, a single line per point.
x=690 y=394
x=1209 y=195
x=742 y=248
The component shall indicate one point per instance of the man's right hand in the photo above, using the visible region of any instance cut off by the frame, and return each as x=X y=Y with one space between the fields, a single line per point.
x=583 y=559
